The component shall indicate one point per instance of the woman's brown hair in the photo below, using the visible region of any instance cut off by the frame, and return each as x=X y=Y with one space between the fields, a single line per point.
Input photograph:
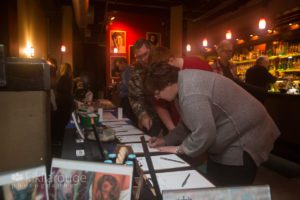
x=159 y=76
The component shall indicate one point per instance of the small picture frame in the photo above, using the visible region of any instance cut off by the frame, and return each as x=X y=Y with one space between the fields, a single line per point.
x=117 y=41
x=154 y=38
x=33 y=181
x=114 y=66
x=131 y=55
x=70 y=179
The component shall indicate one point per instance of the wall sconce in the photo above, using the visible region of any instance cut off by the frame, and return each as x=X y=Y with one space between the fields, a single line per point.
x=228 y=35
x=262 y=23
x=204 y=42
x=63 y=48
x=29 y=51
x=188 y=48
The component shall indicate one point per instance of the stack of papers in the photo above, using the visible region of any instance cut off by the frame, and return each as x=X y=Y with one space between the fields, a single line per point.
x=132 y=138
x=114 y=123
x=162 y=162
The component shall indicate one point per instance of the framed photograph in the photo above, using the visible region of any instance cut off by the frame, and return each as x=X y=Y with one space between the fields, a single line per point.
x=131 y=55
x=71 y=179
x=154 y=38
x=24 y=184
x=114 y=66
x=117 y=41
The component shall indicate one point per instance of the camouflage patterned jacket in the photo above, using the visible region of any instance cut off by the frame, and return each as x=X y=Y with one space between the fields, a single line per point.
x=141 y=103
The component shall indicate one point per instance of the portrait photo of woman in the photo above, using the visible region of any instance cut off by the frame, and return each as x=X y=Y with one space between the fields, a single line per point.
x=117 y=42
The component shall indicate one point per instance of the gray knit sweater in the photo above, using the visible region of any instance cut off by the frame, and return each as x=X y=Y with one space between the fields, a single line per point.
x=221 y=118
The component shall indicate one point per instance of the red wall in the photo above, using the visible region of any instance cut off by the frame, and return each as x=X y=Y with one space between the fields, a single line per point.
x=135 y=25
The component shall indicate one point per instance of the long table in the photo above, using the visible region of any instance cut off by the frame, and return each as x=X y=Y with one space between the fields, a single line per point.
x=72 y=144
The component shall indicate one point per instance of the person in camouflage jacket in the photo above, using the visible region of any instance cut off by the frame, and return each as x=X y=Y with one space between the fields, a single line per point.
x=141 y=104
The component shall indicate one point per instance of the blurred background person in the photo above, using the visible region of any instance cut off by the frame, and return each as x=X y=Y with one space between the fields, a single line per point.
x=64 y=100
x=259 y=74
x=223 y=65
x=123 y=89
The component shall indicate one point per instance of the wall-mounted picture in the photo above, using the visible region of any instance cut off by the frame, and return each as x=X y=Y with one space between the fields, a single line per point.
x=25 y=184
x=131 y=56
x=89 y=180
x=117 y=41
x=114 y=66
x=154 y=38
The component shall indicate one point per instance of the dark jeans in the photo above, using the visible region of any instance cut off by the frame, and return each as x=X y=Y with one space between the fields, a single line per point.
x=228 y=175
x=127 y=110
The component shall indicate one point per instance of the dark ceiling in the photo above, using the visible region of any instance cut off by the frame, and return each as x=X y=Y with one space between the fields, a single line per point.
x=193 y=10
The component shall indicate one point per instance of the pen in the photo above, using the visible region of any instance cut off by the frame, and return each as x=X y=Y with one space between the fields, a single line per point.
x=169 y=159
x=185 y=180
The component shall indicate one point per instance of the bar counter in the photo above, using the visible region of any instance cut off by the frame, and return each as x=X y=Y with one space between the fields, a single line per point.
x=285 y=111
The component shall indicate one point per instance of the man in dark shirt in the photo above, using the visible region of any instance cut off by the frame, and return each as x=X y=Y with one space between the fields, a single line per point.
x=259 y=75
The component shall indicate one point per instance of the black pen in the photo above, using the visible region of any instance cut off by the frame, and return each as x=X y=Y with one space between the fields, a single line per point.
x=185 y=180
x=169 y=159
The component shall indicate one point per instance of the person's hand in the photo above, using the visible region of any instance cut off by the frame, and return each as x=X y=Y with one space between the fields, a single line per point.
x=145 y=122
x=168 y=149
x=156 y=142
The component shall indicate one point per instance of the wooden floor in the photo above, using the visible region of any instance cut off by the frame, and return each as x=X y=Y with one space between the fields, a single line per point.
x=282 y=187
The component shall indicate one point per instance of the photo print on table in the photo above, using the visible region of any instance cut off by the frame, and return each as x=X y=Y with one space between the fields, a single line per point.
x=24 y=184
x=89 y=180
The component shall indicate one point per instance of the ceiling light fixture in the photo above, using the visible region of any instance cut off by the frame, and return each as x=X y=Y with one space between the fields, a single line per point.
x=228 y=35
x=262 y=23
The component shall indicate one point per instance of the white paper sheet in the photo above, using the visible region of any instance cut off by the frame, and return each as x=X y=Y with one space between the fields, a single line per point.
x=159 y=163
x=132 y=138
x=174 y=180
x=129 y=132
x=138 y=148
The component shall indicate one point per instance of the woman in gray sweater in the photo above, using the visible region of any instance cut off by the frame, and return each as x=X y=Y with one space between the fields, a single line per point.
x=218 y=118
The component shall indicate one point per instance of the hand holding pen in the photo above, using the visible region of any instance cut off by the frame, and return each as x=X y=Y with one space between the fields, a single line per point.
x=156 y=142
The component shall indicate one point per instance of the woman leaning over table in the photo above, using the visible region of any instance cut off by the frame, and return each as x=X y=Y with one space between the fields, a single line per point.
x=218 y=117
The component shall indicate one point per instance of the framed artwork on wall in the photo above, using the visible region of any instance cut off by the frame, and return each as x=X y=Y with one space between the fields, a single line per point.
x=117 y=41
x=154 y=38
x=114 y=66
x=131 y=56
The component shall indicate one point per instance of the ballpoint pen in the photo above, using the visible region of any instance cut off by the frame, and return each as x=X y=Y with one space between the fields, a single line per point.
x=169 y=159
x=185 y=180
